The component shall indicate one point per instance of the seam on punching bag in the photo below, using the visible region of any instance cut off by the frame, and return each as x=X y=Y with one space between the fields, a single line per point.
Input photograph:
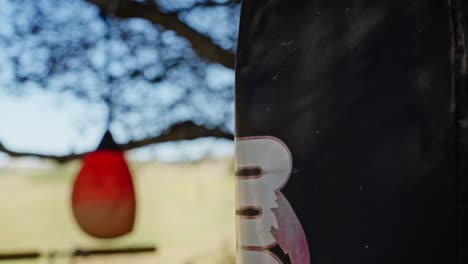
x=464 y=17
x=459 y=56
x=464 y=177
x=457 y=115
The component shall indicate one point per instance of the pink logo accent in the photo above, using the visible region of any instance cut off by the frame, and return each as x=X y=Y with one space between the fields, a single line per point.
x=290 y=235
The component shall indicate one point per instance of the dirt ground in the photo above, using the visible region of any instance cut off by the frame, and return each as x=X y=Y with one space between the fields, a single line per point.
x=186 y=210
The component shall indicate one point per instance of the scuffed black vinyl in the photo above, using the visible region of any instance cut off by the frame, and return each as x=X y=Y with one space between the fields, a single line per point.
x=364 y=94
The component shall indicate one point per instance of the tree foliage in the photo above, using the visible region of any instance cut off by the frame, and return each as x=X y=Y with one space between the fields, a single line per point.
x=153 y=64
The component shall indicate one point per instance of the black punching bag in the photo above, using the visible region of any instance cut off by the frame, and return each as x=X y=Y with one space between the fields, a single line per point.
x=350 y=132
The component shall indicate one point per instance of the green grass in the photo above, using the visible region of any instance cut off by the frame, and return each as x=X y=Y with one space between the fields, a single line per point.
x=186 y=210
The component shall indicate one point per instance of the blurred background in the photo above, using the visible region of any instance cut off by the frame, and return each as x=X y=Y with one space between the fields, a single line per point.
x=159 y=75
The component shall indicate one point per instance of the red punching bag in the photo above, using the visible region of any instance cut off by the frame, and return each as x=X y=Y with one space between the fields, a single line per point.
x=103 y=196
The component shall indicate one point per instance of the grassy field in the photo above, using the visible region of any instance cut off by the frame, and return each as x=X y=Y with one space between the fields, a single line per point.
x=185 y=210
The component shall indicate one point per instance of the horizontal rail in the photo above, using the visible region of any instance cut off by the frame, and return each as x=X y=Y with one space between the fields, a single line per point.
x=77 y=253
x=112 y=251
x=20 y=255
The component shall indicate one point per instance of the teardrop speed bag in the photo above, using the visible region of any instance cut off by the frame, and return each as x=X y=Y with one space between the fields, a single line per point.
x=103 y=196
x=347 y=143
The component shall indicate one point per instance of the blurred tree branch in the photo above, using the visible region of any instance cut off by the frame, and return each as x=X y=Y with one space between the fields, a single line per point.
x=203 y=45
x=187 y=130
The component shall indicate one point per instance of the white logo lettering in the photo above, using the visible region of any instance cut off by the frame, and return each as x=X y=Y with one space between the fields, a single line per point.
x=271 y=161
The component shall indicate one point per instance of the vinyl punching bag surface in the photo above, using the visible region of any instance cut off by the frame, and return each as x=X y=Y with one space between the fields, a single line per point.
x=103 y=196
x=347 y=141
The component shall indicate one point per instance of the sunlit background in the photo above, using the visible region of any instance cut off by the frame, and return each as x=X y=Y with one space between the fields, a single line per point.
x=158 y=74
